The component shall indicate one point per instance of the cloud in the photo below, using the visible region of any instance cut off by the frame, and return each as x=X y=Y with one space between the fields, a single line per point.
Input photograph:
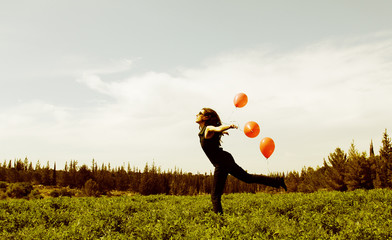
x=309 y=100
x=35 y=114
x=326 y=93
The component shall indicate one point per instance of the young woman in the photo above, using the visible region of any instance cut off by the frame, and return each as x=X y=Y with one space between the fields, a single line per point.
x=211 y=130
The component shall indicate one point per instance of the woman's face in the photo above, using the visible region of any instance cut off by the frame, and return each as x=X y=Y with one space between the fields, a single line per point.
x=200 y=117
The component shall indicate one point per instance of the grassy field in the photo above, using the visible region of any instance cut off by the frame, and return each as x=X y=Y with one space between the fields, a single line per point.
x=322 y=215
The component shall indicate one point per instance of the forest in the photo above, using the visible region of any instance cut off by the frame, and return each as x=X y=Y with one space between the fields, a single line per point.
x=341 y=171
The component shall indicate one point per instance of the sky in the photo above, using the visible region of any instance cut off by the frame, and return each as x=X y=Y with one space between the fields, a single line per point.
x=122 y=81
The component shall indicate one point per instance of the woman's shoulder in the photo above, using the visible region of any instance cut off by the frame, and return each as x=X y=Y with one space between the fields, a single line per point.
x=202 y=130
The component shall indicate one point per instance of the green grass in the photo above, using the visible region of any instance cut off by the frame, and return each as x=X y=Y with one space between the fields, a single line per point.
x=322 y=215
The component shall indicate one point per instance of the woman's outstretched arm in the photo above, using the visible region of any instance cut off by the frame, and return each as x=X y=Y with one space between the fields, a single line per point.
x=210 y=130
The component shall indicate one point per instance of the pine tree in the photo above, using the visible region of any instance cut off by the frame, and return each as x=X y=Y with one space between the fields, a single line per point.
x=373 y=167
x=46 y=176
x=359 y=174
x=146 y=182
x=134 y=178
x=371 y=150
x=83 y=175
x=122 y=179
x=3 y=172
x=385 y=161
x=65 y=179
x=54 y=176
x=311 y=180
x=105 y=179
x=335 y=170
x=292 y=181
x=93 y=165
x=72 y=174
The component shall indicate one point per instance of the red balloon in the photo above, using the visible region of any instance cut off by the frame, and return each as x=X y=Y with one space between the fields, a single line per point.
x=251 y=129
x=267 y=147
x=240 y=100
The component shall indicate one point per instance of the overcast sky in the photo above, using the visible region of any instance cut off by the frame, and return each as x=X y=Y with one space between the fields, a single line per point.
x=122 y=81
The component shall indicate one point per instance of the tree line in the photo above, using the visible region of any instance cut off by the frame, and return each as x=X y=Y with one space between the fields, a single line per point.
x=342 y=171
x=347 y=171
x=103 y=179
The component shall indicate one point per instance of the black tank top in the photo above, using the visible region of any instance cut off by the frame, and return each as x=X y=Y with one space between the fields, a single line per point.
x=211 y=146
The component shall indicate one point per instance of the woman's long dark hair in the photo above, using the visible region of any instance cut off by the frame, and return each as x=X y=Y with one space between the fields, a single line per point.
x=213 y=117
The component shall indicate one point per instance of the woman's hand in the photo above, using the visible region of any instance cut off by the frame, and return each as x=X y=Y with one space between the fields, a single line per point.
x=231 y=126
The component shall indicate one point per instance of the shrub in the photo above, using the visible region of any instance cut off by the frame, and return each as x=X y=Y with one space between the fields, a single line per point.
x=2 y=195
x=55 y=193
x=63 y=192
x=3 y=185
x=19 y=190
x=91 y=189
x=35 y=194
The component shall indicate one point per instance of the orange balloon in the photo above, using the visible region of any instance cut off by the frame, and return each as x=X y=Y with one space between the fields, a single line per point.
x=251 y=129
x=267 y=147
x=240 y=100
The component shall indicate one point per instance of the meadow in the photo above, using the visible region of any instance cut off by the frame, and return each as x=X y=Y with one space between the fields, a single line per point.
x=359 y=214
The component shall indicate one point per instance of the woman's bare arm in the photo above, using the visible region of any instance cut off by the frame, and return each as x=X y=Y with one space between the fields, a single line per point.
x=210 y=130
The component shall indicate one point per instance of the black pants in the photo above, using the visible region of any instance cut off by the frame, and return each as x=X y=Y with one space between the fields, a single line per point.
x=226 y=165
